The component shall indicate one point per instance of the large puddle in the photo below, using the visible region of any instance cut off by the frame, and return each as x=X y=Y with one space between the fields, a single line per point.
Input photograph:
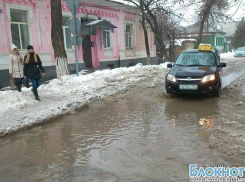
x=134 y=139
x=228 y=79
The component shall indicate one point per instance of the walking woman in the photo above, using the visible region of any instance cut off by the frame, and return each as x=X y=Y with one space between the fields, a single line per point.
x=16 y=67
x=32 y=69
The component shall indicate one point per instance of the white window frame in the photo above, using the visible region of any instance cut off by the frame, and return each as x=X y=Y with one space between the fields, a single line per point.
x=29 y=16
x=129 y=35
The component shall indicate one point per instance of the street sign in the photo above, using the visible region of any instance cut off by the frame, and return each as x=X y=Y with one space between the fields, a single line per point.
x=1 y=11
x=92 y=43
x=73 y=4
x=75 y=29
x=79 y=40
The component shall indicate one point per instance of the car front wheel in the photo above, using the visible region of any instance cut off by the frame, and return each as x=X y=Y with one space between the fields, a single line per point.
x=217 y=91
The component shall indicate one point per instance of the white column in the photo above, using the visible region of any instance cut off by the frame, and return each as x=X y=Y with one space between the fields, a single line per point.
x=38 y=28
x=136 y=24
x=3 y=25
x=46 y=21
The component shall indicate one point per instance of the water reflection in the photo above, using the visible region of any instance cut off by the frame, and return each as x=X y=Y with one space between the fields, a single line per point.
x=199 y=113
x=207 y=122
x=190 y=110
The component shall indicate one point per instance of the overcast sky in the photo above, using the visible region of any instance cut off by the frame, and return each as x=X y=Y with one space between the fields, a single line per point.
x=189 y=14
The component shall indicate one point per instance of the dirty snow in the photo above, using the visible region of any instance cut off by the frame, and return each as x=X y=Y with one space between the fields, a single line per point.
x=13 y=99
x=63 y=96
x=227 y=55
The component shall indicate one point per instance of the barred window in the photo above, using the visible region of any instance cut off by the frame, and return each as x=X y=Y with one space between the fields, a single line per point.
x=128 y=36
x=107 y=39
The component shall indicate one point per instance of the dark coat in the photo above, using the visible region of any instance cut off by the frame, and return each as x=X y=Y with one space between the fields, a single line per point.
x=32 y=69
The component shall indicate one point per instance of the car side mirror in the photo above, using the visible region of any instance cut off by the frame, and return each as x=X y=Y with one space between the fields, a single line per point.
x=169 y=65
x=222 y=65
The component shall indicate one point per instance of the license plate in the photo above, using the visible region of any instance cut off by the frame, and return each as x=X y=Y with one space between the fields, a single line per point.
x=188 y=87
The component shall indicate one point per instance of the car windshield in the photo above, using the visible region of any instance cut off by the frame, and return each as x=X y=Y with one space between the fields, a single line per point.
x=241 y=49
x=196 y=59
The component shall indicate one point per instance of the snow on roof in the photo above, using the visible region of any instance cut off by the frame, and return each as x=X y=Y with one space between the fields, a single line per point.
x=94 y=22
x=116 y=1
x=180 y=41
x=101 y=22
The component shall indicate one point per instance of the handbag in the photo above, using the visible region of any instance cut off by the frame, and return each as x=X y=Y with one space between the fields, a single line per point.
x=26 y=83
x=12 y=82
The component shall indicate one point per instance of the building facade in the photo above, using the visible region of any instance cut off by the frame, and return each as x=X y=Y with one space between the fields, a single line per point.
x=229 y=27
x=25 y=22
x=210 y=35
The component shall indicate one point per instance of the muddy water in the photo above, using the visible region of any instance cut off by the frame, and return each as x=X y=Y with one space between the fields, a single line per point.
x=131 y=139
x=228 y=79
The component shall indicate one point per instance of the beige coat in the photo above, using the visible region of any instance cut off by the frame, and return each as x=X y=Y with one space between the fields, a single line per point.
x=15 y=66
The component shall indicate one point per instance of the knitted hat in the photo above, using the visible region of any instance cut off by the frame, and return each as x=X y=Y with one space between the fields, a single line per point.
x=13 y=46
x=29 y=47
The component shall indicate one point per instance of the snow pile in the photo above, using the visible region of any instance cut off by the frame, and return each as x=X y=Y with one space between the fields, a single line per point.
x=65 y=95
x=13 y=99
x=91 y=85
x=227 y=55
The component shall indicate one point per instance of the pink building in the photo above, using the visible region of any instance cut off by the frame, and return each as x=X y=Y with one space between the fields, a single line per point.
x=25 y=22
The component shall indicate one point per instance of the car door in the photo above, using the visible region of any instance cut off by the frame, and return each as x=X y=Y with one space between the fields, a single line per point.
x=219 y=69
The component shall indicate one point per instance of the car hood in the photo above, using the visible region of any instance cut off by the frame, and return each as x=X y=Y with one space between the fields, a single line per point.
x=192 y=71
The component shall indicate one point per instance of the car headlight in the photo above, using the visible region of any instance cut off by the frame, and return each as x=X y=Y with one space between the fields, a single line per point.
x=208 y=78
x=171 y=78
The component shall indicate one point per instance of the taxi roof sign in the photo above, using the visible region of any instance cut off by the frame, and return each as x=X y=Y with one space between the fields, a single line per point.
x=205 y=47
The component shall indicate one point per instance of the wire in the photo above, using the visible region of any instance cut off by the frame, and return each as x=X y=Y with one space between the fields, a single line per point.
x=237 y=8
x=121 y=6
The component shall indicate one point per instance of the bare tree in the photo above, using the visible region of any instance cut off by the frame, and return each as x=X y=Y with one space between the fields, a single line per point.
x=140 y=5
x=58 y=39
x=210 y=12
x=238 y=39
x=169 y=24
x=152 y=9
x=148 y=61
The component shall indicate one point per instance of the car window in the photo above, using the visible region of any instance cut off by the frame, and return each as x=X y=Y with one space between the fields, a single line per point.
x=196 y=59
x=241 y=49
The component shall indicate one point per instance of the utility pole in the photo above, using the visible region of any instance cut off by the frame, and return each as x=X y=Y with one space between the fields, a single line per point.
x=174 y=44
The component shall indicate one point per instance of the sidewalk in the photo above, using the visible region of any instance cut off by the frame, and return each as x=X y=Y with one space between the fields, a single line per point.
x=83 y=72
x=64 y=96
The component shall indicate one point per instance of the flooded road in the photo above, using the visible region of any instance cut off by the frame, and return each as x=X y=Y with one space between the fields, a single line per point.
x=123 y=140
x=139 y=136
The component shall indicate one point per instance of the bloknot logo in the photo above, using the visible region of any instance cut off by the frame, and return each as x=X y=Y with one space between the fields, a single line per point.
x=215 y=173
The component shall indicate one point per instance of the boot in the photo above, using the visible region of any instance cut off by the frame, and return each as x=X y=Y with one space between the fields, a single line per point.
x=18 y=85
x=36 y=94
